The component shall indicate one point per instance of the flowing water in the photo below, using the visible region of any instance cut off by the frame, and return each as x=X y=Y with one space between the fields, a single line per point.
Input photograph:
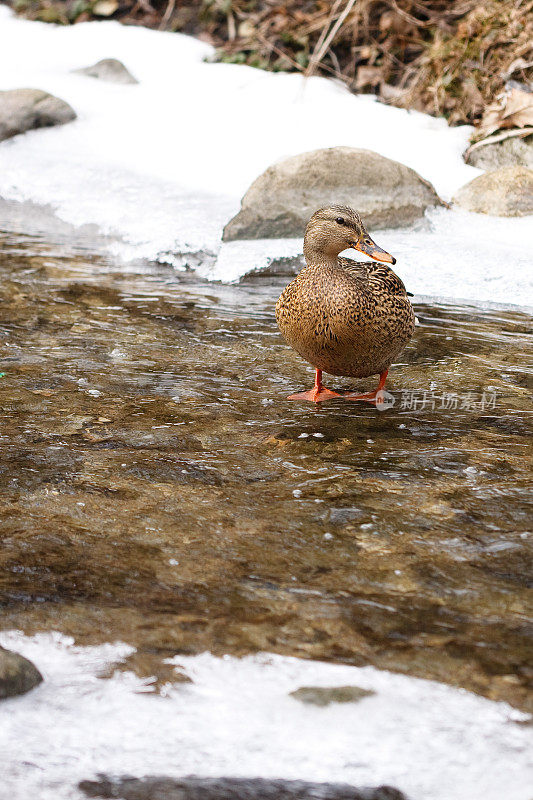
x=157 y=488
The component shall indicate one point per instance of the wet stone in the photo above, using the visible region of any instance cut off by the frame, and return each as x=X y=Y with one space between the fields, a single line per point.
x=280 y=201
x=511 y=152
x=345 y=516
x=175 y=471
x=22 y=110
x=158 y=489
x=192 y=788
x=109 y=69
x=504 y=192
x=27 y=469
x=325 y=696
x=17 y=674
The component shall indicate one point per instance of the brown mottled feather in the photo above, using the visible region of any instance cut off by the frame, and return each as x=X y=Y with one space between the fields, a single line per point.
x=345 y=317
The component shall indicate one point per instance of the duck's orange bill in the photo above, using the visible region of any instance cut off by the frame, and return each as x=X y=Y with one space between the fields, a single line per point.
x=371 y=249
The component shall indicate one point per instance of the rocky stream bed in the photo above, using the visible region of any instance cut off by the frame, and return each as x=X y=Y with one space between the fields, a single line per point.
x=158 y=489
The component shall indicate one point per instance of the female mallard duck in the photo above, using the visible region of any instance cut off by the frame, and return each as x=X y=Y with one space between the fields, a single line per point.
x=345 y=317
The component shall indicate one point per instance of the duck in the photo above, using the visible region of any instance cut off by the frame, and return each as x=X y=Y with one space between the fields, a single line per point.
x=345 y=317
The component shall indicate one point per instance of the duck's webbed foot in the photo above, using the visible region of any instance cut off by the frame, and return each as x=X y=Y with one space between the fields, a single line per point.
x=317 y=394
x=369 y=397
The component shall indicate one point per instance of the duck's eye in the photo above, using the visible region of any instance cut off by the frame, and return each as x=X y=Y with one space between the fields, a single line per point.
x=340 y=221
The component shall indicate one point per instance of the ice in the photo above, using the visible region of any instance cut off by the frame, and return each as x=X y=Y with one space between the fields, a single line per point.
x=161 y=166
x=237 y=719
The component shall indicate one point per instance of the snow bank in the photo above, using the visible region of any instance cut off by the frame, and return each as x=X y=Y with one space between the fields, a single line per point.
x=237 y=719
x=162 y=165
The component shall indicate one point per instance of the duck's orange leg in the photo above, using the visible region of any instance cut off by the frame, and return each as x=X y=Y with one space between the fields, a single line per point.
x=370 y=397
x=317 y=394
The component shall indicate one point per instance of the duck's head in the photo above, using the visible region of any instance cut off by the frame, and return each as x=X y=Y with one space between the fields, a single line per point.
x=333 y=229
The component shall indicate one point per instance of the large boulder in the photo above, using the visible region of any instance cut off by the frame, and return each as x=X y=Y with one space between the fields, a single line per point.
x=108 y=69
x=512 y=152
x=506 y=192
x=280 y=202
x=24 y=109
x=17 y=674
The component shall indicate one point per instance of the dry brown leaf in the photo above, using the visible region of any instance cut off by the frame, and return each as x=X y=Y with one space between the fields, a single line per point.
x=513 y=109
x=368 y=77
x=518 y=110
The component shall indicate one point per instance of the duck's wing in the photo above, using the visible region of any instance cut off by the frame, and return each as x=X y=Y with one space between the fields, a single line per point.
x=376 y=273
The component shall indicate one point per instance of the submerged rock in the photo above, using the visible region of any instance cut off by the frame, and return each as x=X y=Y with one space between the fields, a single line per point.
x=17 y=674
x=512 y=152
x=191 y=788
x=280 y=201
x=108 y=69
x=506 y=192
x=24 y=109
x=326 y=695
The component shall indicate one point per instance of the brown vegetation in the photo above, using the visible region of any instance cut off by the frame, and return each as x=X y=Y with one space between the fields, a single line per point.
x=449 y=57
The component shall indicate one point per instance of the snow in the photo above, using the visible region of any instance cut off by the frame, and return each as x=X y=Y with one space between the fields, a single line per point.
x=161 y=166
x=432 y=741
x=434 y=256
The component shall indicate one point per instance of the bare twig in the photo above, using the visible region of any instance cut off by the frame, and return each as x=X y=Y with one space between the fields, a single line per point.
x=337 y=66
x=318 y=53
x=171 y=5
x=279 y=52
x=232 y=28
x=325 y=28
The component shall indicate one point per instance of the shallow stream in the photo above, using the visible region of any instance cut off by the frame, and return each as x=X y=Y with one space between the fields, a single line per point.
x=158 y=489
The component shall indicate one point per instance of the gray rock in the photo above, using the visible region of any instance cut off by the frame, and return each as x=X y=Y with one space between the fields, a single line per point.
x=192 y=788
x=283 y=267
x=17 y=674
x=506 y=192
x=512 y=152
x=343 y=516
x=280 y=202
x=24 y=109
x=108 y=69
x=325 y=695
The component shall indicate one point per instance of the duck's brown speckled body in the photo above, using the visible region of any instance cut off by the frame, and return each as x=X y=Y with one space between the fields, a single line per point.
x=344 y=317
